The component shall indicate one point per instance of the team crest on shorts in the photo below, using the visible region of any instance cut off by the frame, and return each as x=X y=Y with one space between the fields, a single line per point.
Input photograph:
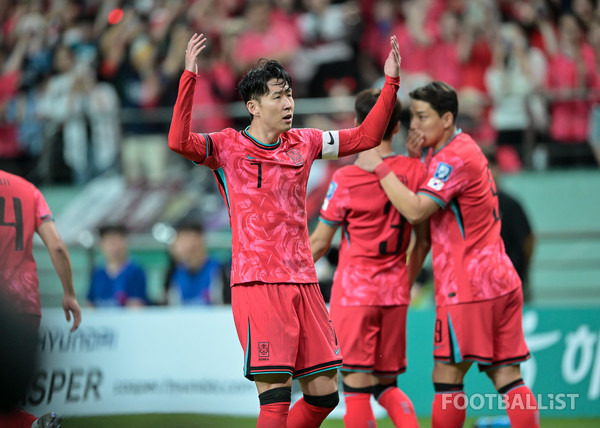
x=263 y=351
x=295 y=156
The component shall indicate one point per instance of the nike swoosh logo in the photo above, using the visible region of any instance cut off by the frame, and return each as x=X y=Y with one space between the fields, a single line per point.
x=250 y=157
x=337 y=351
x=439 y=346
x=330 y=142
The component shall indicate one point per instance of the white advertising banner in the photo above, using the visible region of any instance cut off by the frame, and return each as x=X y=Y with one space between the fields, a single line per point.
x=155 y=360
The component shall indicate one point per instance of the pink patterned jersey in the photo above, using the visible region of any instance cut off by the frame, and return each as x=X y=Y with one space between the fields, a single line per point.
x=264 y=185
x=469 y=261
x=372 y=263
x=22 y=210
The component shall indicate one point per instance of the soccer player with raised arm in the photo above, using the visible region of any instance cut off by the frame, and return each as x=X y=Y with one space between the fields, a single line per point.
x=24 y=211
x=262 y=172
x=478 y=293
x=371 y=285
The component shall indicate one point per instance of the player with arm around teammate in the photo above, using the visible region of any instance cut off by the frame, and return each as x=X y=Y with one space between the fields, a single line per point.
x=262 y=173
x=477 y=290
x=371 y=285
x=24 y=211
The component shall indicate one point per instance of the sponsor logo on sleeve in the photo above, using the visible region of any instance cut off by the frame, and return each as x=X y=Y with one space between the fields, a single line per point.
x=435 y=183
x=443 y=171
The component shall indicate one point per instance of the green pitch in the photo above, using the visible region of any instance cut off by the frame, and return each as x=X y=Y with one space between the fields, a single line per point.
x=206 y=421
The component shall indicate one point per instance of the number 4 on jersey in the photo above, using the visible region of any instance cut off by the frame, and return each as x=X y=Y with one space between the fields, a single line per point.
x=18 y=224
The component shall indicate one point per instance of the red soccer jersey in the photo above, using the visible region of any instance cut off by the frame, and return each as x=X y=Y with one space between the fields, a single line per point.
x=264 y=185
x=469 y=261
x=22 y=210
x=372 y=263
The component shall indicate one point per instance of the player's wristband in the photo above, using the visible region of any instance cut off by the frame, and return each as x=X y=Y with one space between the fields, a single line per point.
x=382 y=170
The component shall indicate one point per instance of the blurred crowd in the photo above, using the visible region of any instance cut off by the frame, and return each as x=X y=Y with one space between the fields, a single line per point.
x=87 y=86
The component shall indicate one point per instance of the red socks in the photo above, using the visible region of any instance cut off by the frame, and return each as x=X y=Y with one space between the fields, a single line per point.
x=274 y=407
x=521 y=405
x=399 y=407
x=358 y=411
x=273 y=415
x=449 y=406
x=310 y=411
x=16 y=419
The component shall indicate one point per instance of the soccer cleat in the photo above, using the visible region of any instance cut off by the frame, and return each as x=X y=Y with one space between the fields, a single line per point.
x=49 y=420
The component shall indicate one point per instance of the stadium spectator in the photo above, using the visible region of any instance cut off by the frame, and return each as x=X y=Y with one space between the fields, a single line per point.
x=10 y=75
x=371 y=285
x=574 y=77
x=24 y=212
x=265 y=35
x=118 y=281
x=280 y=316
x=130 y=62
x=477 y=290
x=514 y=81
x=194 y=277
x=327 y=34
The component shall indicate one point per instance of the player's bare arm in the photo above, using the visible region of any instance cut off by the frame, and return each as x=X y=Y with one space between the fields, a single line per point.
x=61 y=261
x=320 y=240
x=414 y=207
x=196 y=45
x=419 y=251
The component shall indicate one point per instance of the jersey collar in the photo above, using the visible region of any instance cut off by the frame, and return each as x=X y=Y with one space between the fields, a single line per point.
x=273 y=146
x=458 y=131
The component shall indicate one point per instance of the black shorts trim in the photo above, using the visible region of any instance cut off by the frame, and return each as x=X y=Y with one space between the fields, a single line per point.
x=505 y=362
x=331 y=365
x=268 y=370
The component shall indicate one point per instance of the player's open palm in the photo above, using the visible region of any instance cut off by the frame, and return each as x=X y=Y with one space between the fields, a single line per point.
x=196 y=45
x=392 y=63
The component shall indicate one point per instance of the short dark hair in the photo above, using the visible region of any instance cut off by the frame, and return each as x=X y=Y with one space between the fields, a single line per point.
x=366 y=99
x=190 y=226
x=440 y=95
x=117 y=229
x=254 y=83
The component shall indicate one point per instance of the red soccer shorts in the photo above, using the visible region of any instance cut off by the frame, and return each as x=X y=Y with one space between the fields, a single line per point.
x=373 y=338
x=489 y=332
x=284 y=328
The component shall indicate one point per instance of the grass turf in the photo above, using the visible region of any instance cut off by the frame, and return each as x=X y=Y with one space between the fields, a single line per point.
x=205 y=421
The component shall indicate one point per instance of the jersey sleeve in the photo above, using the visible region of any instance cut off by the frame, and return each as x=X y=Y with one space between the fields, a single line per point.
x=346 y=142
x=445 y=178
x=199 y=148
x=42 y=212
x=336 y=202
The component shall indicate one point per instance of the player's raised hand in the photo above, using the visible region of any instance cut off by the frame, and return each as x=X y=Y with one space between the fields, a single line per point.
x=414 y=143
x=196 y=45
x=368 y=160
x=392 y=63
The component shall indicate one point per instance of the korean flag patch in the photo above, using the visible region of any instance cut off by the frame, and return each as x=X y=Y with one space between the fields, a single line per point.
x=443 y=171
x=435 y=183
